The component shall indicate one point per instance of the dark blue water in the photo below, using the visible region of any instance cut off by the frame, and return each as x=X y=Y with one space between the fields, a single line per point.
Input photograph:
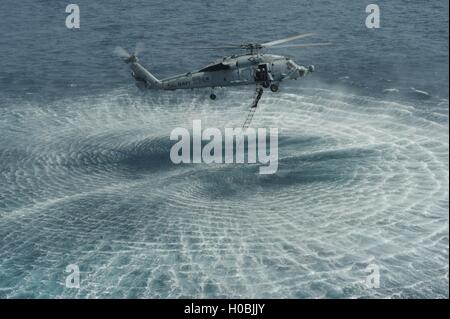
x=86 y=179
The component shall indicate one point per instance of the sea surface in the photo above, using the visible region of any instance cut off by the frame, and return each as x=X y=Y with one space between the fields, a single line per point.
x=86 y=178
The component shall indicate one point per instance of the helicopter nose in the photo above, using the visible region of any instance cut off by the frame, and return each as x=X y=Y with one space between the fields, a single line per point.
x=311 y=68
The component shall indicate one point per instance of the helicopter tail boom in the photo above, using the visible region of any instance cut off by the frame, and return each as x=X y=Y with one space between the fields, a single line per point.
x=142 y=74
x=143 y=77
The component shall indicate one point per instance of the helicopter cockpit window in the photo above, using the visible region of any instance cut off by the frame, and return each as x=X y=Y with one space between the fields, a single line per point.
x=290 y=64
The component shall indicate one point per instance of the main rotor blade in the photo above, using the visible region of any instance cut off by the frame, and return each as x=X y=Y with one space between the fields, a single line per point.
x=276 y=42
x=307 y=45
x=121 y=52
x=217 y=47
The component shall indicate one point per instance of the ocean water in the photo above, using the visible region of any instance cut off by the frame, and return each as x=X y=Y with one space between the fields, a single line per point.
x=86 y=178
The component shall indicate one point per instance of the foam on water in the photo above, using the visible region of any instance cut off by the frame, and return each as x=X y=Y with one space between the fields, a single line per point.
x=90 y=182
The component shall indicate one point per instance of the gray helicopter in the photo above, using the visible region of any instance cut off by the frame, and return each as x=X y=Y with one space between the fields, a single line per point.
x=253 y=67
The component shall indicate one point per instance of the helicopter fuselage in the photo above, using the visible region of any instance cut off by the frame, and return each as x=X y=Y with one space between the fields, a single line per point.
x=265 y=69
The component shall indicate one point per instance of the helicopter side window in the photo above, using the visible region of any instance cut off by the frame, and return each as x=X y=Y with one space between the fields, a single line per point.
x=215 y=67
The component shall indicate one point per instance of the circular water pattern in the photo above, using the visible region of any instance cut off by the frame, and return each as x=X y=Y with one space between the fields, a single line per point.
x=89 y=181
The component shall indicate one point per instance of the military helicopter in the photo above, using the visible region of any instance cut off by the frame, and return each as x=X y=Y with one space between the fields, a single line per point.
x=252 y=67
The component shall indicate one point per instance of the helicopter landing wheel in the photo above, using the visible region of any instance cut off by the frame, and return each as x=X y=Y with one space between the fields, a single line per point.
x=274 y=88
x=212 y=96
x=266 y=84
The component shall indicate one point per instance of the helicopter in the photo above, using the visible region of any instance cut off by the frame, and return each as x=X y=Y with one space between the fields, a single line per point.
x=254 y=67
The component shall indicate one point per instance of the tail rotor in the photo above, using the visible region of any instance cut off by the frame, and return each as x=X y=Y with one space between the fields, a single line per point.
x=129 y=57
